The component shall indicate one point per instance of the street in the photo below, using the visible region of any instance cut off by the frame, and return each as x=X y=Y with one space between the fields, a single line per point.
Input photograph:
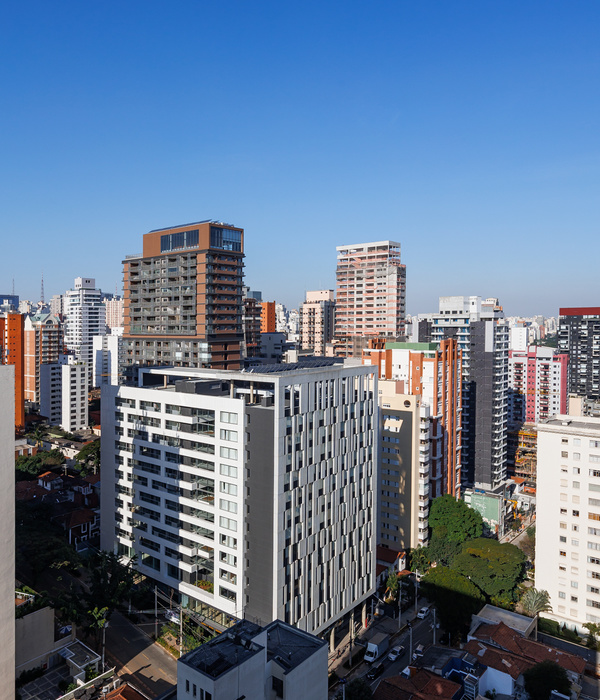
x=137 y=658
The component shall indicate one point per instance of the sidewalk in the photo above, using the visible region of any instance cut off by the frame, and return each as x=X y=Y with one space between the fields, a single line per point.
x=383 y=624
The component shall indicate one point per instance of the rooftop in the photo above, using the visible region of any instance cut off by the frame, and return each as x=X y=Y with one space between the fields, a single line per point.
x=226 y=651
x=290 y=647
x=492 y=614
x=194 y=223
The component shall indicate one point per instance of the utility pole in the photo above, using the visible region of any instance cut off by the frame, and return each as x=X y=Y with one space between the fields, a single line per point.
x=155 y=613
x=416 y=591
x=343 y=682
x=400 y=606
x=180 y=631
x=410 y=658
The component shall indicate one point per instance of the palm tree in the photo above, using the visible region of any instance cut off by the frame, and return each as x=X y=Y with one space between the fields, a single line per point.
x=535 y=601
x=39 y=433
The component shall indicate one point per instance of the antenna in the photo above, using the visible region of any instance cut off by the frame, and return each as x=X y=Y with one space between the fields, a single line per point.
x=13 y=288
x=42 y=290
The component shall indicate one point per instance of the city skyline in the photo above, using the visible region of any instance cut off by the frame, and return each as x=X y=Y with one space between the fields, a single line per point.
x=465 y=132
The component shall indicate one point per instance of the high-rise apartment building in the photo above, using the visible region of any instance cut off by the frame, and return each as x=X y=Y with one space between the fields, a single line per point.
x=12 y=352
x=317 y=321
x=251 y=494
x=482 y=336
x=537 y=379
x=183 y=297
x=85 y=317
x=370 y=295
x=7 y=520
x=567 y=542
x=114 y=312
x=268 y=319
x=64 y=393
x=432 y=373
x=579 y=337
x=44 y=342
x=108 y=358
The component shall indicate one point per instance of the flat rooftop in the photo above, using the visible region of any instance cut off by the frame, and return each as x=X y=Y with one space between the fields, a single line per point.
x=228 y=650
x=517 y=622
x=290 y=647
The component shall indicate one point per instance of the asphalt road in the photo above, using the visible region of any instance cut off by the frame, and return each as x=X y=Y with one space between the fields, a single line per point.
x=137 y=658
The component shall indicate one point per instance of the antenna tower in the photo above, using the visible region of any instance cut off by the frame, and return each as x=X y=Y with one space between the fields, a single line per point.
x=42 y=289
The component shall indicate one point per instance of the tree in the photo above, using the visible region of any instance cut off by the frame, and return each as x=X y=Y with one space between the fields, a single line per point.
x=593 y=629
x=110 y=582
x=454 y=520
x=494 y=567
x=39 y=433
x=535 y=601
x=543 y=678
x=442 y=550
x=455 y=597
x=392 y=583
x=420 y=559
x=90 y=453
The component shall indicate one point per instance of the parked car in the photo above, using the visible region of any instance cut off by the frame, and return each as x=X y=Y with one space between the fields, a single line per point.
x=172 y=616
x=423 y=612
x=375 y=672
x=418 y=651
x=396 y=653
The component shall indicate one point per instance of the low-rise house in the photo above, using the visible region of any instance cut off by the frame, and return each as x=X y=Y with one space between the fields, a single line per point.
x=50 y=481
x=80 y=525
x=422 y=685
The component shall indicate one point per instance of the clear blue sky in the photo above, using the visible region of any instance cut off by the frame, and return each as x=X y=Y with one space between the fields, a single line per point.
x=468 y=131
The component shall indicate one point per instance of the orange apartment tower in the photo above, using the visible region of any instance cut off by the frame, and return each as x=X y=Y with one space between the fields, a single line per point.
x=370 y=295
x=268 y=319
x=44 y=342
x=431 y=372
x=183 y=297
x=12 y=353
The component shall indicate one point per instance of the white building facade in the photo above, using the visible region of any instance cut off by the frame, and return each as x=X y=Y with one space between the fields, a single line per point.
x=64 y=393
x=250 y=493
x=107 y=357
x=568 y=518
x=85 y=317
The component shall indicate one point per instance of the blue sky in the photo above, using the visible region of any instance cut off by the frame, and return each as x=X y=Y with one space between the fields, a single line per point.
x=468 y=131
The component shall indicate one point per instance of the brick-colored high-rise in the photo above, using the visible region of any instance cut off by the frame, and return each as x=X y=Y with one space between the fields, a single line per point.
x=44 y=342
x=268 y=318
x=183 y=297
x=370 y=295
x=12 y=353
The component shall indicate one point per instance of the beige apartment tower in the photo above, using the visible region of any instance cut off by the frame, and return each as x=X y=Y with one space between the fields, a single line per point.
x=317 y=321
x=370 y=295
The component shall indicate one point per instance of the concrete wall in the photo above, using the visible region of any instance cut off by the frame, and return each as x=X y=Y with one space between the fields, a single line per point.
x=7 y=530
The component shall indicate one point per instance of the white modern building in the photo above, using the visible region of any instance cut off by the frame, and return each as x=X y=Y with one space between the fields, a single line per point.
x=7 y=520
x=64 y=393
x=114 y=312
x=108 y=357
x=85 y=317
x=249 y=661
x=253 y=494
x=567 y=562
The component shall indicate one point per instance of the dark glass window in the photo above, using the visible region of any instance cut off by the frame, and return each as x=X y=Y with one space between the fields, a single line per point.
x=179 y=241
x=225 y=239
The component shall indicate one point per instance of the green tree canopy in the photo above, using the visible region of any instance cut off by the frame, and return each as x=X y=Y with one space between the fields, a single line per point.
x=543 y=678
x=392 y=582
x=28 y=466
x=453 y=520
x=442 y=550
x=420 y=559
x=494 y=567
x=455 y=597
x=90 y=452
x=110 y=582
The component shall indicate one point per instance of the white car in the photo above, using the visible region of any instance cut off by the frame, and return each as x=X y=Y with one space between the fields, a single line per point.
x=423 y=612
x=172 y=616
x=395 y=653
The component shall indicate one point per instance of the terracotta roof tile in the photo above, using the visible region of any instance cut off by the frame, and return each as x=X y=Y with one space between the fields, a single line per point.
x=423 y=685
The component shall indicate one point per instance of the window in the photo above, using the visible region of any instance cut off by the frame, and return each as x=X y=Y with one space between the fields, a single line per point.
x=575 y=513
x=564 y=454
x=226 y=593
x=565 y=441
x=563 y=511
x=595 y=458
x=227 y=523
x=575 y=528
x=562 y=538
x=594 y=472
x=576 y=484
x=574 y=584
x=564 y=483
x=575 y=542
x=229 y=506
x=227 y=417
x=230 y=435
x=563 y=526
x=229 y=452
x=228 y=470
x=594 y=516
x=576 y=470
x=562 y=594
x=226 y=558
x=228 y=541
x=594 y=444
x=226 y=487
x=593 y=603
x=576 y=456
x=562 y=553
